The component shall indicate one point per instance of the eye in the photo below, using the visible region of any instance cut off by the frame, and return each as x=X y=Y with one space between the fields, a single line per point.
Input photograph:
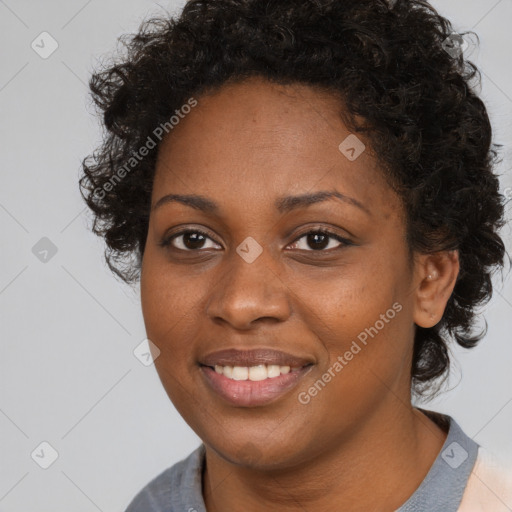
x=319 y=240
x=192 y=240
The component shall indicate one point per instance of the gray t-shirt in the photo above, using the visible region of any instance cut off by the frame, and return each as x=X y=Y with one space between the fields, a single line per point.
x=178 y=488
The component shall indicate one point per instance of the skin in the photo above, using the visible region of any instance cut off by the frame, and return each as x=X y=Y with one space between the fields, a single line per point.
x=244 y=147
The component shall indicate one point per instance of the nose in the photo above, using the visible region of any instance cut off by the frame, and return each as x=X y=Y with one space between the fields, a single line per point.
x=249 y=293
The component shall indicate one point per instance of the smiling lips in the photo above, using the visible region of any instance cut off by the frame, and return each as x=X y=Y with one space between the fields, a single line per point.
x=253 y=373
x=252 y=377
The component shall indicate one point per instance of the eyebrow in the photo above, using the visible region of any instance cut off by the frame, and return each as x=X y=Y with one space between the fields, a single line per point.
x=283 y=204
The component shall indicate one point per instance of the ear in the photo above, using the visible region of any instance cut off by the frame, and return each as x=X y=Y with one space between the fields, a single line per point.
x=435 y=278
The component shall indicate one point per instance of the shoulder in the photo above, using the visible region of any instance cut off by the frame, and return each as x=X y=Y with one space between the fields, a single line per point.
x=489 y=487
x=173 y=488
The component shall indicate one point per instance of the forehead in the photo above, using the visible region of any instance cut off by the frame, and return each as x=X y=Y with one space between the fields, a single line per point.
x=257 y=140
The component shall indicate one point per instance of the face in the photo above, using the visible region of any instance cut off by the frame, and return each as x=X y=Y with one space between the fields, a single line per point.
x=258 y=275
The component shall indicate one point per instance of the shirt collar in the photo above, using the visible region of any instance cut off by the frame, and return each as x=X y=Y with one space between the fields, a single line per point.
x=444 y=485
x=441 y=489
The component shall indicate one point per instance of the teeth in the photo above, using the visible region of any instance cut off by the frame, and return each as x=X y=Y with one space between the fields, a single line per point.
x=273 y=370
x=258 y=372
x=240 y=372
x=253 y=373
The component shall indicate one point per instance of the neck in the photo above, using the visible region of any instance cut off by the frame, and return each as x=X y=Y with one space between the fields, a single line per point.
x=389 y=455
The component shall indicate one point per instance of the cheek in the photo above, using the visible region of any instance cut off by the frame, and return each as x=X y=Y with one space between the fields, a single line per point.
x=374 y=360
x=340 y=304
x=167 y=298
x=362 y=323
x=169 y=308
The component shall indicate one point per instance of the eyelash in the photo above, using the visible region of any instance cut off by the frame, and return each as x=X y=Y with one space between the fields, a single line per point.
x=166 y=242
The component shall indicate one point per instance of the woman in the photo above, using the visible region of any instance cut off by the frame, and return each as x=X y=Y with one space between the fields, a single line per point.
x=307 y=189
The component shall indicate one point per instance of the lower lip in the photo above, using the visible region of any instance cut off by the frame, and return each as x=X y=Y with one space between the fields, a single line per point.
x=248 y=393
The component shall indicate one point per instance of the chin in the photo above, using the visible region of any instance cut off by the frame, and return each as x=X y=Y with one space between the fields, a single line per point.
x=258 y=456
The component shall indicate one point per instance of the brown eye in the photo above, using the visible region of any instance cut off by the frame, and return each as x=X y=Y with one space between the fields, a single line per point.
x=188 y=240
x=318 y=240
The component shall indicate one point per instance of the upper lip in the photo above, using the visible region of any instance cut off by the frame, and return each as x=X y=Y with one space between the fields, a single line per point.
x=254 y=357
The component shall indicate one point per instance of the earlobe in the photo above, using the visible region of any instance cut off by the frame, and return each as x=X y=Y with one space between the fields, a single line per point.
x=436 y=275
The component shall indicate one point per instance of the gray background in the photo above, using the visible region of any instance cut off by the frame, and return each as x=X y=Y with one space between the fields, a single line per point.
x=68 y=375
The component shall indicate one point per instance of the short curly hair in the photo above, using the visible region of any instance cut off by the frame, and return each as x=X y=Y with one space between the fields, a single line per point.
x=386 y=61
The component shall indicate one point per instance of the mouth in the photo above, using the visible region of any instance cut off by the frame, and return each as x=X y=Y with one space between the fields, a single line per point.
x=254 y=373
x=252 y=378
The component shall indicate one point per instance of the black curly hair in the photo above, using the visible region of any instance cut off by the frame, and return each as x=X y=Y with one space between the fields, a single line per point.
x=388 y=64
